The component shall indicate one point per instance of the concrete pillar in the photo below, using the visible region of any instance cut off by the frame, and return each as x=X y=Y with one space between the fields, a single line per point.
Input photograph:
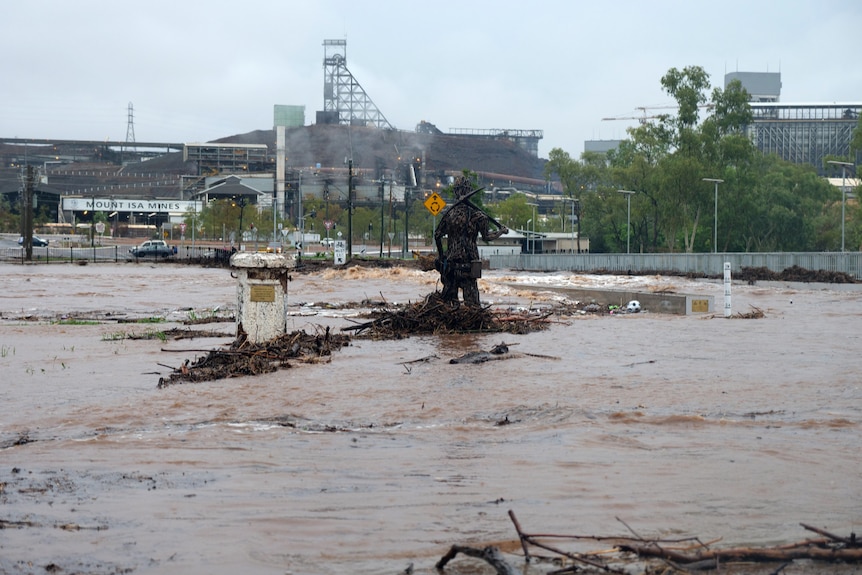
x=261 y=294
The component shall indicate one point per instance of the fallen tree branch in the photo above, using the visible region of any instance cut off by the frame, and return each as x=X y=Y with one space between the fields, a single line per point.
x=834 y=548
x=747 y=553
x=425 y=359
x=490 y=555
x=578 y=557
x=852 y=541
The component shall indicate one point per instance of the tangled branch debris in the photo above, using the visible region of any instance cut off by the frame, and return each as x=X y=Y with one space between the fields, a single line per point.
x=433 y=315
x=750 y=274
x=491 y=555
x=677 y=555
x=754 y=313
x=246 y=358
x=793 y=274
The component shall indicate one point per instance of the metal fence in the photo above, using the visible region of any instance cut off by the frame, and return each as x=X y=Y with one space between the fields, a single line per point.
x=49 y=255
x=698 y=264
x=65 y=254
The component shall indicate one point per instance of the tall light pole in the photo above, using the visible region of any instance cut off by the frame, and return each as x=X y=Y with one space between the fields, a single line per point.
x=349 y=208
x=629 y=195
x=843 y=193
x=532 y=239
x=241 y=202
x=382 y=205
x=572 y=223
x=300 y=219
x=715 y=214
x=274 y=219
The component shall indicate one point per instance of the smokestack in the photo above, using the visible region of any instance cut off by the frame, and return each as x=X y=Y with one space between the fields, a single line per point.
x=279 y=169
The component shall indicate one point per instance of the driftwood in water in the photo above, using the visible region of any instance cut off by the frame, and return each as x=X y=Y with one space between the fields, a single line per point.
x=499 y=351
x=247 y=358
x=679 y=555
x=819 y=550
x=490 y=555
x=793 y=273
x=692 y=552
x=433 y=315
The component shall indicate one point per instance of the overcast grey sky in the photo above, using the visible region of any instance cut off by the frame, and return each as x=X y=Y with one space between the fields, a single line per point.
x=197 y=70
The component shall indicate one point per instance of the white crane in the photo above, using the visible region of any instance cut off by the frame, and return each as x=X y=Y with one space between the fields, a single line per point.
x=644 y=116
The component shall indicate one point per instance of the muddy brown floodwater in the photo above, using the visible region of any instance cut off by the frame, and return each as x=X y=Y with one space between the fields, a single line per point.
x=737 y=429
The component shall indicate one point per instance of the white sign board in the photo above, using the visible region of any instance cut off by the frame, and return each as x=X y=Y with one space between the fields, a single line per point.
x=340 y=253
x=114 y=205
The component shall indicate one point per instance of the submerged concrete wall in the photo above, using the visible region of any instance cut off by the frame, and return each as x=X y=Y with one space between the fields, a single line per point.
x=675 y=303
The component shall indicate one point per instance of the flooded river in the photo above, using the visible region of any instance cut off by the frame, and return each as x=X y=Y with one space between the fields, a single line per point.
x=677 y=425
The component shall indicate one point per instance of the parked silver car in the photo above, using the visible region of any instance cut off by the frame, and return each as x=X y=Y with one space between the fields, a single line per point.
x=153 y=249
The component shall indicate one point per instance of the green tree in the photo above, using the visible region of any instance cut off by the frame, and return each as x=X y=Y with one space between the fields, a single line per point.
x=581 y=180
x=688 y=87
x=514 y=211
x=635 y=166
x=9 y=220
x=667 y=160
x=763 y=202
x=220 y=218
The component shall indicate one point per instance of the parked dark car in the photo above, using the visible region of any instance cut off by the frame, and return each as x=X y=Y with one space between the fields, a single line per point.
x=152 y=249
x=37 y=241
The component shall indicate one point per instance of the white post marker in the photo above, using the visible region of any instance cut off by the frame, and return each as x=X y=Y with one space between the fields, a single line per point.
x=726 y=289
x=339 y=255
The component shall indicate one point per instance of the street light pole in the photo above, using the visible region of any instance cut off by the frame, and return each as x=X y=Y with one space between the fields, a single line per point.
x=274 y=220
x=350 y=209
x=716 y=181
x=531 y=240
x=241 y=211
x=629 y=195
x=405 y=249
x=382 y=205
x=843 y=192
x=300 y=219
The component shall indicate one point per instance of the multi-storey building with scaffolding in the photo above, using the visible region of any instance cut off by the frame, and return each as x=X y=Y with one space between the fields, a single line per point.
x=232 y=158
x=803 y=133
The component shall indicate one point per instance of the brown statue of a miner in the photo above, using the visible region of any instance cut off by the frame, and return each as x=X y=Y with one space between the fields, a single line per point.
x=459 y=265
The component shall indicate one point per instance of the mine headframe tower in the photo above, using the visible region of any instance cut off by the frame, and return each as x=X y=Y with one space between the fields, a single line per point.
x=344 y=100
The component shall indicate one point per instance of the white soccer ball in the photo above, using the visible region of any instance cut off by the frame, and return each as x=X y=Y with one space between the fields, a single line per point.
x=633 y=306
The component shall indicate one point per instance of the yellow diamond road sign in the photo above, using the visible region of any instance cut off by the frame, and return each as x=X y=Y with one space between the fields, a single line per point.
x=435 y=203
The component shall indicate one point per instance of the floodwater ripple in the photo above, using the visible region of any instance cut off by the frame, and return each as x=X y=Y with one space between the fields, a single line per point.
x=738 y=429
